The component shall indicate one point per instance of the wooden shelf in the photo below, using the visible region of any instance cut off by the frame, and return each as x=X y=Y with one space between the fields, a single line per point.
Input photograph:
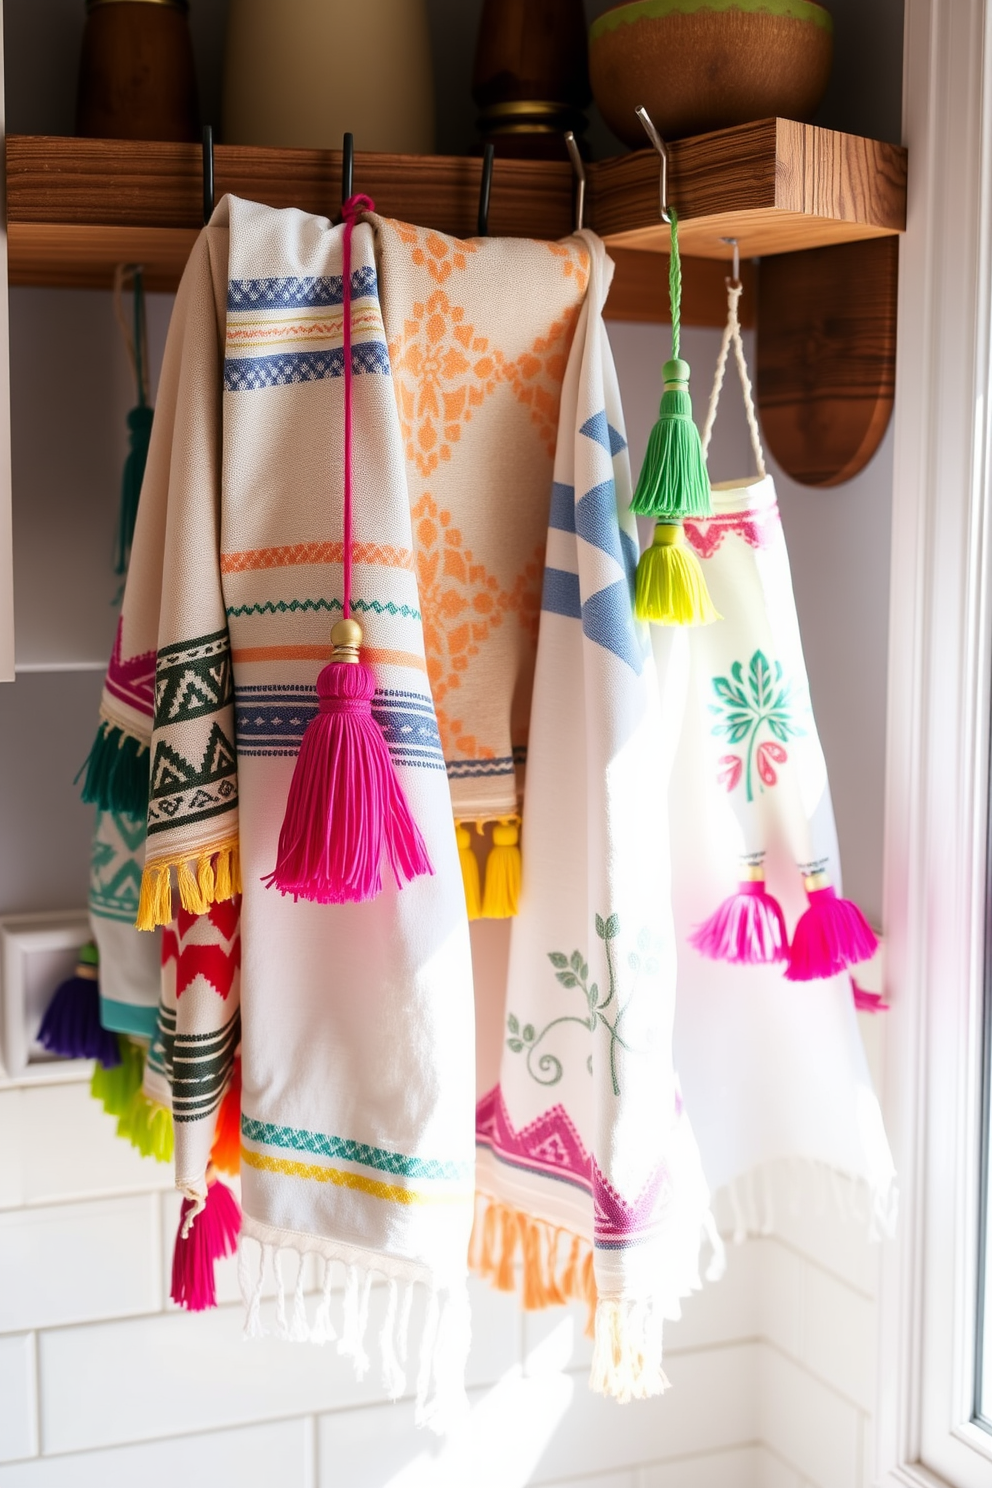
x=78 y=207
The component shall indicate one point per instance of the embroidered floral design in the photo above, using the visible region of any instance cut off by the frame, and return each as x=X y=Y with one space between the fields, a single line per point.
x=764 y=699
x=573 y=971
x=462 y=603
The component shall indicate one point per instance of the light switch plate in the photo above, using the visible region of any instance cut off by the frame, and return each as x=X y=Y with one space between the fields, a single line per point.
x=37 y=952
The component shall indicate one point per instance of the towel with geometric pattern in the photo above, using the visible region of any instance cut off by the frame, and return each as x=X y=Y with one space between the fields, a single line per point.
x=587 y=1165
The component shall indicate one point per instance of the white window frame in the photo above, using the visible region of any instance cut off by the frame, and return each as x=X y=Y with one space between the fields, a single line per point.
x=940 y=684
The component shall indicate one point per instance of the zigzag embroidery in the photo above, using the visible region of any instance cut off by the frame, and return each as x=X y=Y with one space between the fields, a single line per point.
x=294 y=555
x=171 y=770
x=294 y=606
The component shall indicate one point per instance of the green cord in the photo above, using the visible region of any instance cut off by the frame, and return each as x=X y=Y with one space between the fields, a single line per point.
x=675 y=283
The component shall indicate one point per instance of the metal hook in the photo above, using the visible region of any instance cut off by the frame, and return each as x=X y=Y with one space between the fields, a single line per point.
x=659 y=145
x=208 y=173
x=735 y=272
x=347 y=168
x=580 y=178
x=485 y=188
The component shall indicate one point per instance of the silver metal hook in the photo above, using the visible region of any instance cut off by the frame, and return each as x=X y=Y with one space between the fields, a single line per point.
x=659 y=145
x=580 y=178
x=735 y=272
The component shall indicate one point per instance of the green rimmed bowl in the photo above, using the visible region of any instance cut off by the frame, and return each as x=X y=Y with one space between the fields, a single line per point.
x=699 y=65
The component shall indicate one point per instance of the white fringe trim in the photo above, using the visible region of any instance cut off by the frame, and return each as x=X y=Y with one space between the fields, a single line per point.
x=626 y=1356
x=441 y=1402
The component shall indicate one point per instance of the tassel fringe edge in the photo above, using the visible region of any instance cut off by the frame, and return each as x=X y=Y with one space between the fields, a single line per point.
x=557 y=1265
x=207 y=879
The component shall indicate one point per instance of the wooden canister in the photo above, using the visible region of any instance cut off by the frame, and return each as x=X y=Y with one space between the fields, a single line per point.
x=304 y=72
x=531 y=75
x=136 y=72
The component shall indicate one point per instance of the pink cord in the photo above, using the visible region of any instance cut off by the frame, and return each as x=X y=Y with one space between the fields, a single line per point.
x=351 y=210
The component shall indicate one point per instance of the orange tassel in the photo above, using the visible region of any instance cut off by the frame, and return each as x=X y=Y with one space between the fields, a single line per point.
x=226 y=1151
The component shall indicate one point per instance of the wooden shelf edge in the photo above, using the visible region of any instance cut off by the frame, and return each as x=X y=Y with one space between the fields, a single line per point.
x=76 y=205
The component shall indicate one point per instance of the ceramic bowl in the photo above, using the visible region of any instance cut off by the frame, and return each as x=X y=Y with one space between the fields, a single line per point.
x=699 y=65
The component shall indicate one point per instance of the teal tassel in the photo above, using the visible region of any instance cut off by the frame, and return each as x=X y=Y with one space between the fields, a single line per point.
x=139 y=423
x=117 y=773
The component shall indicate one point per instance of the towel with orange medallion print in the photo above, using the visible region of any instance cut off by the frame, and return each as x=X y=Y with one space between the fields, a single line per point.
x=479 y=334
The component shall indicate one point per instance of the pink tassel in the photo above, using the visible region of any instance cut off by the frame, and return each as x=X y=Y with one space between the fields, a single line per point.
x=202 y=1239
x=346 y=807
x=831 y=935
x=748 y=929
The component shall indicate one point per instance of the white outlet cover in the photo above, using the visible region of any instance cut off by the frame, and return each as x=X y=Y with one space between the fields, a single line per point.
x=37 y=952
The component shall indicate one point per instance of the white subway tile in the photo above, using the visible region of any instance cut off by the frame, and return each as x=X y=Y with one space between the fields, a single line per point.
x=839 y=1336
x=274 y=1455
x=546 y=1428
x=71 y=1149
x=825 y=1216
x=598 y=1480
x=556 y=1339
x=805 y=1423
x=735 y=1469
x=11 y=1156
x=70 y=1263
x=18 y=1407
x=724 y=1311
x=781 y=1280
x=182 y=1371
x=774 y=1473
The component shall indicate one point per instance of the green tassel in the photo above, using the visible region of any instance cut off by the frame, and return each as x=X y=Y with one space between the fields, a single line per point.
x=116 y=1088
x=117 y=773
x=673 y=482
x=671 y=589
x=148 y=1127
x=139 y=423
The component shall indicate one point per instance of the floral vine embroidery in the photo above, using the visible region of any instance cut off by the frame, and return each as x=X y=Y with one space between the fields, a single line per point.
x=745 y=705
x=573 y=971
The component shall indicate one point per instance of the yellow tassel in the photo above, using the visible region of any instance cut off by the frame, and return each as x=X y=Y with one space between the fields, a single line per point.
x=671 y=589
x=222 y=875
x=190 y=894
x=205 y=878
x=503 y=871
x=155 y=899
x=470 y=871
x=217 y=876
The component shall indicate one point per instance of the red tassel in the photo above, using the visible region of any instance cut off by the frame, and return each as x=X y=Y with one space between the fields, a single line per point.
x=748 y=929
x=225 y=1153
x=832 y=935
x=202 y=1240
x=346 y=807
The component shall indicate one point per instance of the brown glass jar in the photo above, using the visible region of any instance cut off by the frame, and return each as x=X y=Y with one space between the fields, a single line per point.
x=136 y=73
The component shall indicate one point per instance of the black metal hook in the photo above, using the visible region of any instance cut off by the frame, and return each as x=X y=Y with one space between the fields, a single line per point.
x=347 y=168
x=485 y=189
x=208 y=173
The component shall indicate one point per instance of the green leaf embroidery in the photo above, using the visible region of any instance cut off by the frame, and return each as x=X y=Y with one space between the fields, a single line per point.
x=528 y=1033
x=557 y=959
x=513 y=1024
x=741 y=709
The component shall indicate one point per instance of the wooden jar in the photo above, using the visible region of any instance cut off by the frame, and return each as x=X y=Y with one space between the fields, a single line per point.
x=136 y=73
x=302 y=73
x=531 y=75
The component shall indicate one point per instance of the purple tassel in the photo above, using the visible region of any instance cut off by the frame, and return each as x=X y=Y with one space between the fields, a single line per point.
x=71 y=1026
